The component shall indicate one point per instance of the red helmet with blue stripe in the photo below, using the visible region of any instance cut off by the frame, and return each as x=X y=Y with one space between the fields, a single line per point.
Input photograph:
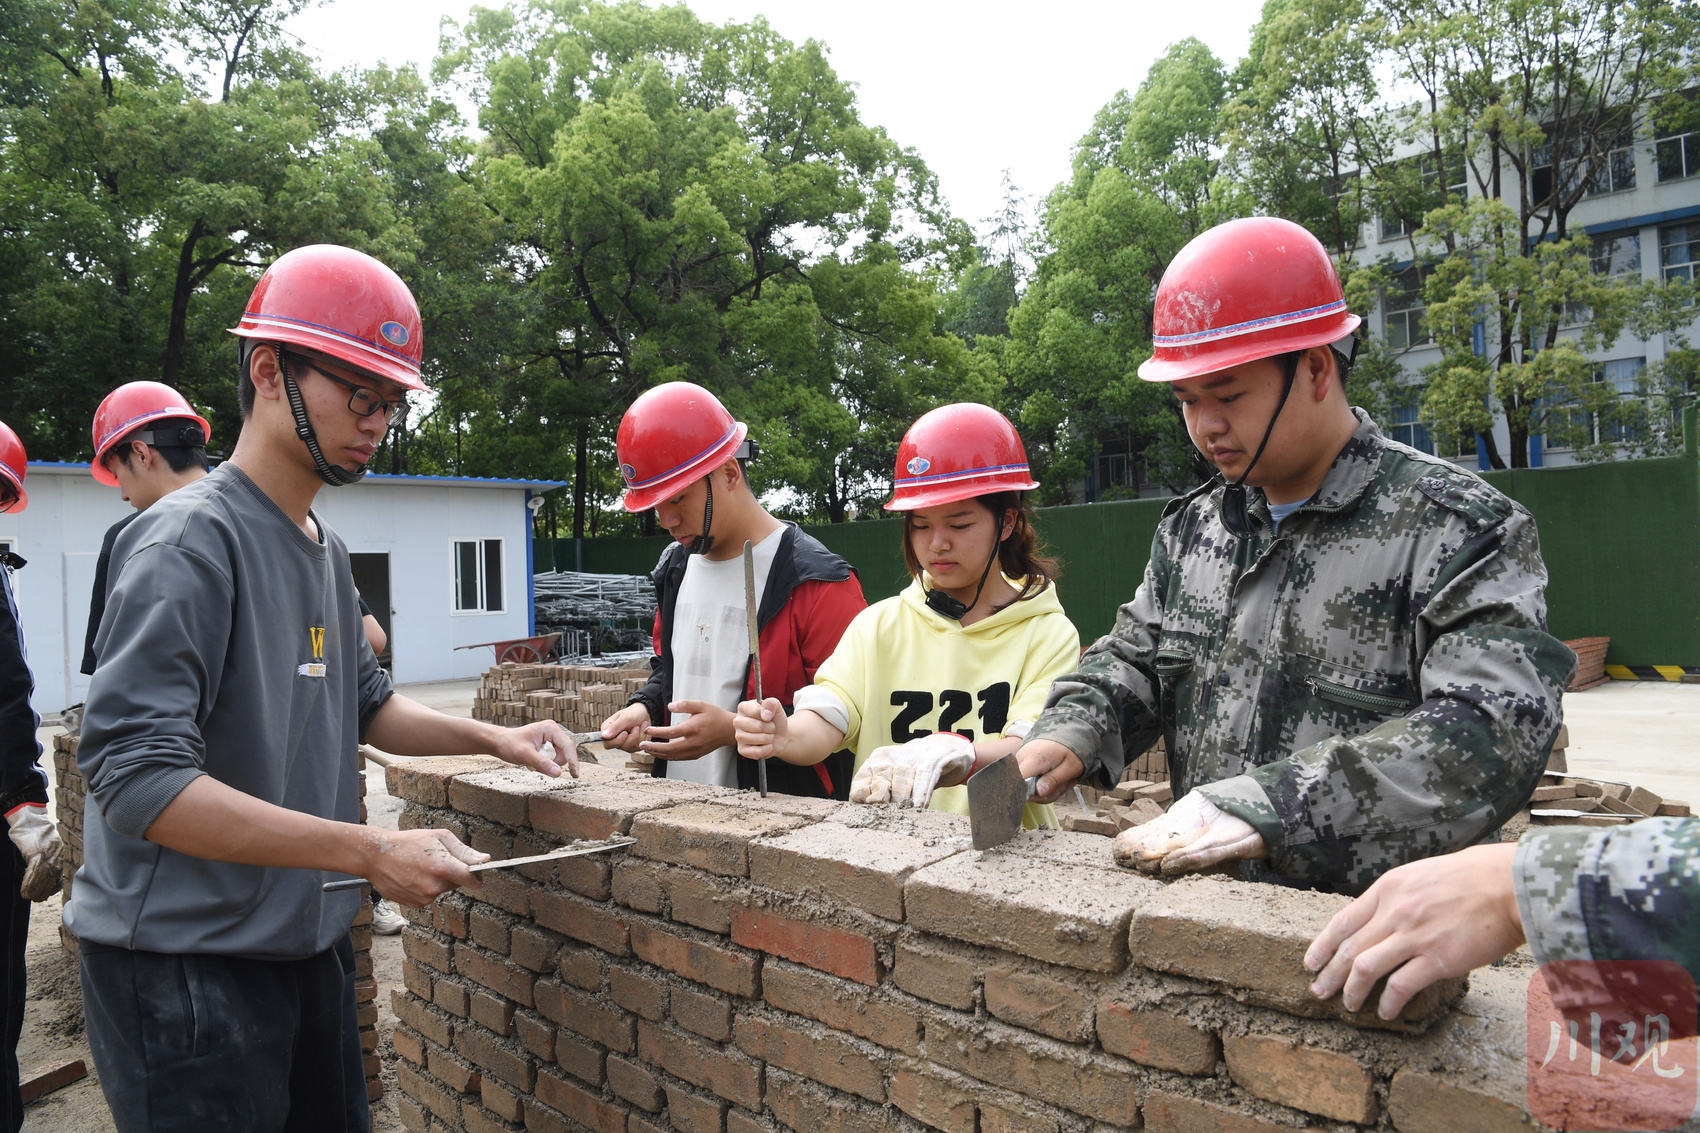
x=671 y=437
x=957 y=452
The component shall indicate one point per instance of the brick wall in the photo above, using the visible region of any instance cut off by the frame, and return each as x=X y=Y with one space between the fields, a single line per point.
x=69 y=794
x=799 y=964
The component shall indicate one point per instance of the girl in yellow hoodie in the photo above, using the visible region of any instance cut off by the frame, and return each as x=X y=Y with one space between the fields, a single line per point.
x=947 y=676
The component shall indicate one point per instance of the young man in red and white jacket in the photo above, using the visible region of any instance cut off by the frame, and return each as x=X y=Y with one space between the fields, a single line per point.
x=683 y=454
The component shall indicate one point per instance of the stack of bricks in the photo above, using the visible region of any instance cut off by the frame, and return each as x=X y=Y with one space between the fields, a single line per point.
x=70 y=792
x=578 y=697
x=753 y=965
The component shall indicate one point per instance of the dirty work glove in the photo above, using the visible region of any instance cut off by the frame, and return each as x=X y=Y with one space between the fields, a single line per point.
x=907 y=773
x=37 y=839
x=1193 y=835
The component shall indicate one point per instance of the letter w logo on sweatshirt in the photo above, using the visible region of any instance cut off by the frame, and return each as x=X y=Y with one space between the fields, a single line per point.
x=316 y=667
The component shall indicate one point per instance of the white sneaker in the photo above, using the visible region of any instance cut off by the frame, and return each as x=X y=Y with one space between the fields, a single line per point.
x=385 y=920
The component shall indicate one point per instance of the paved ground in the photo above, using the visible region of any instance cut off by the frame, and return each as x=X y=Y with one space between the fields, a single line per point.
x=1638 y=732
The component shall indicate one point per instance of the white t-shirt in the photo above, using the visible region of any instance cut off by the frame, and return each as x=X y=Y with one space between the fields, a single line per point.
x=711 y=647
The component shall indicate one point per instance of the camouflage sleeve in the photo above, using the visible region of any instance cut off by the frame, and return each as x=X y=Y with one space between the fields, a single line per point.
x=1106 y=711
x=1620 y=893
x=1449 y=772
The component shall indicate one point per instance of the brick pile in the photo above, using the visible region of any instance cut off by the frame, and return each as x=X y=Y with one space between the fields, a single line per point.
x=578 y=697
x=69 y=797
x=753 y=965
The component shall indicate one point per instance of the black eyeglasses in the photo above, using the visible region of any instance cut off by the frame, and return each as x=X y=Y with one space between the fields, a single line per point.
x=362 y=402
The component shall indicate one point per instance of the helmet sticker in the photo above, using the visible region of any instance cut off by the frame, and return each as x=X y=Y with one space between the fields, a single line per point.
x=628 y=472
x=918 y=465
x=394 y=332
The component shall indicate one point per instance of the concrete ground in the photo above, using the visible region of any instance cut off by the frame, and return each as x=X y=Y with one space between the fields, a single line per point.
x=1636 y=732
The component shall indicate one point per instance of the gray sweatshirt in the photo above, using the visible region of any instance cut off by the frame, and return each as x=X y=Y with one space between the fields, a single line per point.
x=231 y=646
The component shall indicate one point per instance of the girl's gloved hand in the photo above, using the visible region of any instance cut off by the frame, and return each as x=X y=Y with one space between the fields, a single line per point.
x=899 y=773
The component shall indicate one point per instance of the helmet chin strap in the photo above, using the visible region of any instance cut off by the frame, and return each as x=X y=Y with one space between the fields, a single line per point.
x=954 y=608
x=702 y=543
x=1236 y=511
x=331 y=474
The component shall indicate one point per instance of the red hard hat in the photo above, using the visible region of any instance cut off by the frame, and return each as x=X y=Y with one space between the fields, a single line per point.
x=130 y=407
x=957 y=452
x=1244 y=290
x=13 y=465
x=672 y=436
x=343 y=303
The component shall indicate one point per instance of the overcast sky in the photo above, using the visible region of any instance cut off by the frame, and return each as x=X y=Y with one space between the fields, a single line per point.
x=976 y=87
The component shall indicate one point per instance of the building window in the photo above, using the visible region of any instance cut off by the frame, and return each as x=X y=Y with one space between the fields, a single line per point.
x=1614 y=173
x=1571 y=425
x=1610 y=256
x=1679 y=248
x=1407 y=429
x=478 y=576
x=1402 y=311
x=1678 y=156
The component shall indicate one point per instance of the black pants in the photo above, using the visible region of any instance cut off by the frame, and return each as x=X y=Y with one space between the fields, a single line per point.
x=359 y=1107
x=15 y=931
x=217 y=1044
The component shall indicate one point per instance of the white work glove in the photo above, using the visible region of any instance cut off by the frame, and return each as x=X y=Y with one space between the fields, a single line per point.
x=37 y=839
x=1193 y=835
x=899 y=773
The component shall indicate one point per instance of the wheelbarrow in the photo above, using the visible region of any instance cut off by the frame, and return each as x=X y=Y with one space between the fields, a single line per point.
x=521 y=650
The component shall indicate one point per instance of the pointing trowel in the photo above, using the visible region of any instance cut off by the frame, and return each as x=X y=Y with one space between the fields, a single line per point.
x=563 y=852
x=997 y=794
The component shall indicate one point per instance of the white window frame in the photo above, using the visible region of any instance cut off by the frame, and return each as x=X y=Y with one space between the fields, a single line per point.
x=483 y=592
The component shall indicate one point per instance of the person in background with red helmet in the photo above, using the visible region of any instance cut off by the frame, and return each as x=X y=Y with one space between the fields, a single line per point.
x=148 y=442
x=30 y=872
x=682 y=454
x=220 y=739
x=1342 y=640
x=947 y=676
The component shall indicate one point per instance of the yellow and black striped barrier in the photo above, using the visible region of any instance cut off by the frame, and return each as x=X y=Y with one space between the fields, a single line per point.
x=1676 y=674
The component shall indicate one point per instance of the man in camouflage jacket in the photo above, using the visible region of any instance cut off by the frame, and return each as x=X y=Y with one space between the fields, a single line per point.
x=1355 y=680
x=1371 y=685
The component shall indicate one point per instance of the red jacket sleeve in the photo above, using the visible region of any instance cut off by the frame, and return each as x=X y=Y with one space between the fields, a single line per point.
x=795 y=643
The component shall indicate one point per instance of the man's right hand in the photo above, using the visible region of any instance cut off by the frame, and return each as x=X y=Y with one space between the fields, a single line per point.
x=415 y=867
x=625 y=729
x=1057 y=767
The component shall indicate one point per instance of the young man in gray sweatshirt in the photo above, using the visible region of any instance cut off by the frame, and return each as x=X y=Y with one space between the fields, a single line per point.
x=220 y=738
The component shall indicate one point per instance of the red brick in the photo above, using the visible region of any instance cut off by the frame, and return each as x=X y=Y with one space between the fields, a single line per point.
x=587 y=1015
x=636 y=884
x=742 y=1121
x=933 y=1100
x=633 y=1082
x=452 y=1072
x=501 y=796
x=428 y=1093
x=933 y=972
x=580 y=1104
x=722 y=968
x=706 y=836
x=1153 y=1037
x=581 y=1058
x=1038 y=1068
x=503 y=890
x=502 y=977
x=1039 y=1003
x=599 y=812
x=840 y=1005
x=452 y=997
x=701 y=900
x=862 y=869
x=806 y=1107
x=1420 y=1102
x=500 y=1100
x=423 y=948
x=493 y=1012
x=408 y=1045
x=1303 y=1077
x=533 y=948
x=582 y=966
x=413 y=1116
x=639 y=990
x=594 y=924
x=449 y=915
x=588 y=876
x=482 y=1121
x=638 y=1123
x=820 y=946
x=488 y=930
x=537 y=1036
x=1074 y=915
x=707 y=1015
x=426 y=781
x=826 y=1056
x=724 y=1071
x=690 y=1112
x=1026 y=1119
x=493 y=841
x=1174 y=1113
x=484 y=1051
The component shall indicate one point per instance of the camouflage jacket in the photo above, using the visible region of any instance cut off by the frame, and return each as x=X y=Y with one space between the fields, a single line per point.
x=1621 y=893
x=1373 y=684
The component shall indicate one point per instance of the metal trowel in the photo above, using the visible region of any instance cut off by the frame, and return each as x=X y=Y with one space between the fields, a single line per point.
x=997 y=794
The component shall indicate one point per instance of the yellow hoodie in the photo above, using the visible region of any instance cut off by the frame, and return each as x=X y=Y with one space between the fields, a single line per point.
x=902 y=671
